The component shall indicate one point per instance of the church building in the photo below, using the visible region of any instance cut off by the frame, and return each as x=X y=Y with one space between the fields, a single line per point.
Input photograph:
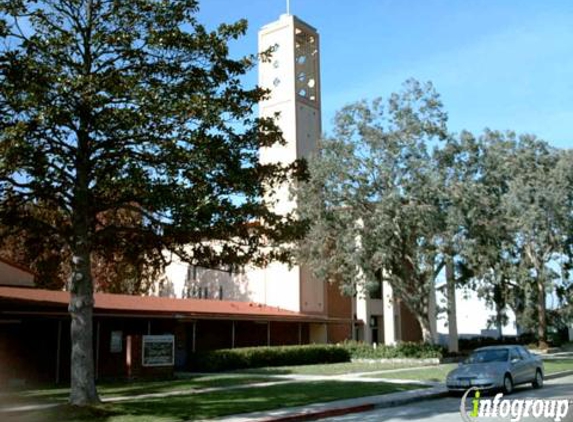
x=292 y=75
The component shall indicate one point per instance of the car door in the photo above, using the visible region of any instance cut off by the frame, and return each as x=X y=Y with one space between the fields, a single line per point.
x=518 y=366
x=530 y=364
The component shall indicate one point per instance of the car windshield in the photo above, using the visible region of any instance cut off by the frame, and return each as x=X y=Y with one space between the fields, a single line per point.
x=485 y=356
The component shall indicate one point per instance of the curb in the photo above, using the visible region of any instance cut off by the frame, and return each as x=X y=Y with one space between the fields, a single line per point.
x=559 y=374
x=310 y=415
x=377 y=402
x=322 y=414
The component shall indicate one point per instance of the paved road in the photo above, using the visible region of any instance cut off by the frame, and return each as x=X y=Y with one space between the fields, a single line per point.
x=447 y=409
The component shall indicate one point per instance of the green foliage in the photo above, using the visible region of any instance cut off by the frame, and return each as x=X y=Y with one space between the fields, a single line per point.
x=129 y=123
x=494 y=209
x=257 y=357
x=136 y=110
x=410 y=350
x=370 y=199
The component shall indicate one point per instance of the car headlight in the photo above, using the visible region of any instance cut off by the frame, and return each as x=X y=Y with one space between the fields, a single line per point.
x=488 y=375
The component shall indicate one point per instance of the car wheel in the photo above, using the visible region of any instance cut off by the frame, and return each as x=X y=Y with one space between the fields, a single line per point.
x=507 y=384
x=538 y=381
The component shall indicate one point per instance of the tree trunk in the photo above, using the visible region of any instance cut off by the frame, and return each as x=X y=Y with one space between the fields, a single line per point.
x=432 y=314
x=427 y=336
x=542 y=327
x=452 y=314
x=83 y=391
x=498 y=321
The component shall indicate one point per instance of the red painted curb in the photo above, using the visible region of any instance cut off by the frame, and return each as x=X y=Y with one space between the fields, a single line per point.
x=322 y=414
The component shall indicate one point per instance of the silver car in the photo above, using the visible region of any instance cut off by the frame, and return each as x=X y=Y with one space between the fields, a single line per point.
x=497 y=367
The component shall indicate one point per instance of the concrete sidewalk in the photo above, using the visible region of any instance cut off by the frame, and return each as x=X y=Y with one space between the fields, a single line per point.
x=335 y=408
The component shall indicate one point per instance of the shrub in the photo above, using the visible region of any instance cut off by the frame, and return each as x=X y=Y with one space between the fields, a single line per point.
x=401 y=350
x=256 y=357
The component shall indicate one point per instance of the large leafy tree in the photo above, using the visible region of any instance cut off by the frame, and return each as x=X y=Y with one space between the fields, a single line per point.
x=539 y=204
x=112 y=108
x=370 y=199
x=521 y=227
x=460 y=199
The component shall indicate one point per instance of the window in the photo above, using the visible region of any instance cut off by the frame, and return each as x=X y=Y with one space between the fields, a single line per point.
x=375 y=289
x=220 y=292
x=523 y=352
x=514 y=355
x=306 y=51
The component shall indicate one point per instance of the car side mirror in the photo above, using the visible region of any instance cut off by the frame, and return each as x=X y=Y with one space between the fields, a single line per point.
x=515 y=360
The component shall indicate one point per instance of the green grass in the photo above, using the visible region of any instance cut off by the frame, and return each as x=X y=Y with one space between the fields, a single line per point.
x=438 y=373
x=215 y=404
x=113 y=389
x=331 y=369
x=433 y=373
x=557 y=365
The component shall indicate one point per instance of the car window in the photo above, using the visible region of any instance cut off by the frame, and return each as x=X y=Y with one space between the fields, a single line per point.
x=515 y=355
x=485 y=356
x=523 y=352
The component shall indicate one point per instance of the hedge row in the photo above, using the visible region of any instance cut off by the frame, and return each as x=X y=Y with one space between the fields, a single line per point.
x=401 y=350
x=256 y=357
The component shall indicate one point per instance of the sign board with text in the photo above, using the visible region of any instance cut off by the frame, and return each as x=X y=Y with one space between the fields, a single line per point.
x=158 y=350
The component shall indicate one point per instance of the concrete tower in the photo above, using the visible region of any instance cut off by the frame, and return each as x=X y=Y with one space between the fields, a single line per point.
x=293 y=77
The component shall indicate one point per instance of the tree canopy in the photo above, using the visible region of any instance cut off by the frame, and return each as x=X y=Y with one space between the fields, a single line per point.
x=392 y=192
x=128 y=122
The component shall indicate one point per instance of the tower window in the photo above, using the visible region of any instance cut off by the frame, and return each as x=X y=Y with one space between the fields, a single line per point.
x=306 y=63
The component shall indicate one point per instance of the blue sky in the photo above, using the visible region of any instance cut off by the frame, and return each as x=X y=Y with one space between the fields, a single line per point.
x=502 y=64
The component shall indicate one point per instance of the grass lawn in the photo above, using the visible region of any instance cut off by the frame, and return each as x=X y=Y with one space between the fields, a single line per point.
x=332 y=368
x=113 y=389
x=439 y=372
x=557 y=365
x=433 y=373
x=211 y=405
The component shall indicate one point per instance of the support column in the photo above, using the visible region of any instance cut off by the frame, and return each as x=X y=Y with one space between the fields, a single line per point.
x=571 y=332
x=58 y=351
x=389 y=325
x=97 y=351
x=193 y=344
x=233 y=335
x=363 y=313
x=268 y=333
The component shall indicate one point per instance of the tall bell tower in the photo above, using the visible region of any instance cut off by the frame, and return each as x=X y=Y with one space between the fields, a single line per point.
x=292 y=75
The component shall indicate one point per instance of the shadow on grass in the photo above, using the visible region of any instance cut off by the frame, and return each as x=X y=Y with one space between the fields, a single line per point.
x=49 y=393
x=220 y=403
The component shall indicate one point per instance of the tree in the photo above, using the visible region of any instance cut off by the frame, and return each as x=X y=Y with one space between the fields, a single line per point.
x=488 y=253
x=134 y=108
x=370 y=198
x=539 y=203
x=456 y=166
x=520 y=228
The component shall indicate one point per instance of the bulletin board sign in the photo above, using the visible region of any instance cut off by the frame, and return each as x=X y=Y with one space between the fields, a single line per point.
x=158 y=350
